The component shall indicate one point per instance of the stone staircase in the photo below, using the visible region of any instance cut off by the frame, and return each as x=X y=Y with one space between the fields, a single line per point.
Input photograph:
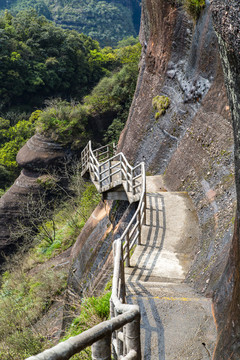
x=176 y=322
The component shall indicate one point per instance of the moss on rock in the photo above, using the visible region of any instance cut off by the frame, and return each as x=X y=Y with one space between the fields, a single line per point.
x=160 y=104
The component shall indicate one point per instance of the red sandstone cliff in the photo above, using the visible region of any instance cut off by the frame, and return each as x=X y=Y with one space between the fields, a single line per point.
x=192 y=145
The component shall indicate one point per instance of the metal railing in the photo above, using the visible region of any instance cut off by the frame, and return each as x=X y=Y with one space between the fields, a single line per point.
x=123 y=330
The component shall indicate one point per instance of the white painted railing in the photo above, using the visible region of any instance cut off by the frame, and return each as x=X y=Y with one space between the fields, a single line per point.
x=108 y=170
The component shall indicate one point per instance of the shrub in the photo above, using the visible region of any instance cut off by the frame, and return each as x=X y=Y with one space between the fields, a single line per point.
x=58 y=233
x=194 y=7
x=160 y=104
x=64 y=123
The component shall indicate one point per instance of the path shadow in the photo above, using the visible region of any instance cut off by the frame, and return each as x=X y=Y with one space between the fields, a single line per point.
x=157 y=214
x=155 y=239
x=152 y=328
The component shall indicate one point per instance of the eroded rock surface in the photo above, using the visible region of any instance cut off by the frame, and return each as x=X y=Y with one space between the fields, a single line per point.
x=38 y=157
x=192 y=145
x=227 y=298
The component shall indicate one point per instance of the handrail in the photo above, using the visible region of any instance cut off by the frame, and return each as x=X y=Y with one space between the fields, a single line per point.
x=118 y=164
x=124 y=326
x=72 y=346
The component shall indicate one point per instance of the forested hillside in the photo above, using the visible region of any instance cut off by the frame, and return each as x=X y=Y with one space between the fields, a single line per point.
x=40 y=61
x=91 y=17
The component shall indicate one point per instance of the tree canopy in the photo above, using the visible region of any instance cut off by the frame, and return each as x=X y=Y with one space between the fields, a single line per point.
x=40 y=60
x=92 y=17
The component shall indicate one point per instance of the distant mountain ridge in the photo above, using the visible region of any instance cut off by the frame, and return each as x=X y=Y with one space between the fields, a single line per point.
x=105 y=21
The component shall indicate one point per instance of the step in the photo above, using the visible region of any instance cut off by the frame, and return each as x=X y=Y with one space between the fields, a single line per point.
x=136 y=274
x=164 y=290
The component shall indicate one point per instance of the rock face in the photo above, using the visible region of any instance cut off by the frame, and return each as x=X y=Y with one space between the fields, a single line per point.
x=192 y=145
x=227 y=298
x=38 y=156
x=41 y=153
x=91 y=254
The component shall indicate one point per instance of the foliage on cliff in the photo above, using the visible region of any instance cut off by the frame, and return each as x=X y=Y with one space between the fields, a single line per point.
x=160 y=105
x=91 y=17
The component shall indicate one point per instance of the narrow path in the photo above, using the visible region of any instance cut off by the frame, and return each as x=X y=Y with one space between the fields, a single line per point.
x=177 y=322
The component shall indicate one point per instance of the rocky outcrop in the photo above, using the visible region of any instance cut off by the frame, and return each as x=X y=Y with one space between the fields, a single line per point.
x=41 y=153
x=38 y=157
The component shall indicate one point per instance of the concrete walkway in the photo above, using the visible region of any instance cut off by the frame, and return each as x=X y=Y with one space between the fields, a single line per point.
x=177 y=322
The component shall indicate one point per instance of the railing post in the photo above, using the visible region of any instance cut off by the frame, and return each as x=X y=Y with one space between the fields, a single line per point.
x=127 y=178
x=109 y=167
x=120 y=344
x=114 y=338
x=127 y=250
x=133 y=336
x=145 y=208
x=123 y=289
x=101 y=349
x=120 y=160
x=139 y=228
x=132 y=182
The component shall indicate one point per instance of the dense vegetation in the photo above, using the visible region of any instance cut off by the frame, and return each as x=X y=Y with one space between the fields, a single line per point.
x=91 y=17
x=30 y=74
x=39 y=60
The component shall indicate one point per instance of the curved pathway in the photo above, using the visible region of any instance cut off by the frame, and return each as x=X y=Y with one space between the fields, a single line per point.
x=177 y=323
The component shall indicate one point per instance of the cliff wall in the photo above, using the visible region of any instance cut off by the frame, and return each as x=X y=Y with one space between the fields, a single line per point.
x=227 y=297
x=192 y=145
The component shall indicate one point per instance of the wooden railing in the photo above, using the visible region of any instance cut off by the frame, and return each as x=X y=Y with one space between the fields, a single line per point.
x=107 y=170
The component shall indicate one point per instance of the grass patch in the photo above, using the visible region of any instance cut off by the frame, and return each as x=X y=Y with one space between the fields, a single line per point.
x=24 y=298
x=93 y=311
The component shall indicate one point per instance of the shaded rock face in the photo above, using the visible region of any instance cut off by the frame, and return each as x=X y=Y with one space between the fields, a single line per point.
x=38 y=156
x=227 y=298
x=192 y=145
